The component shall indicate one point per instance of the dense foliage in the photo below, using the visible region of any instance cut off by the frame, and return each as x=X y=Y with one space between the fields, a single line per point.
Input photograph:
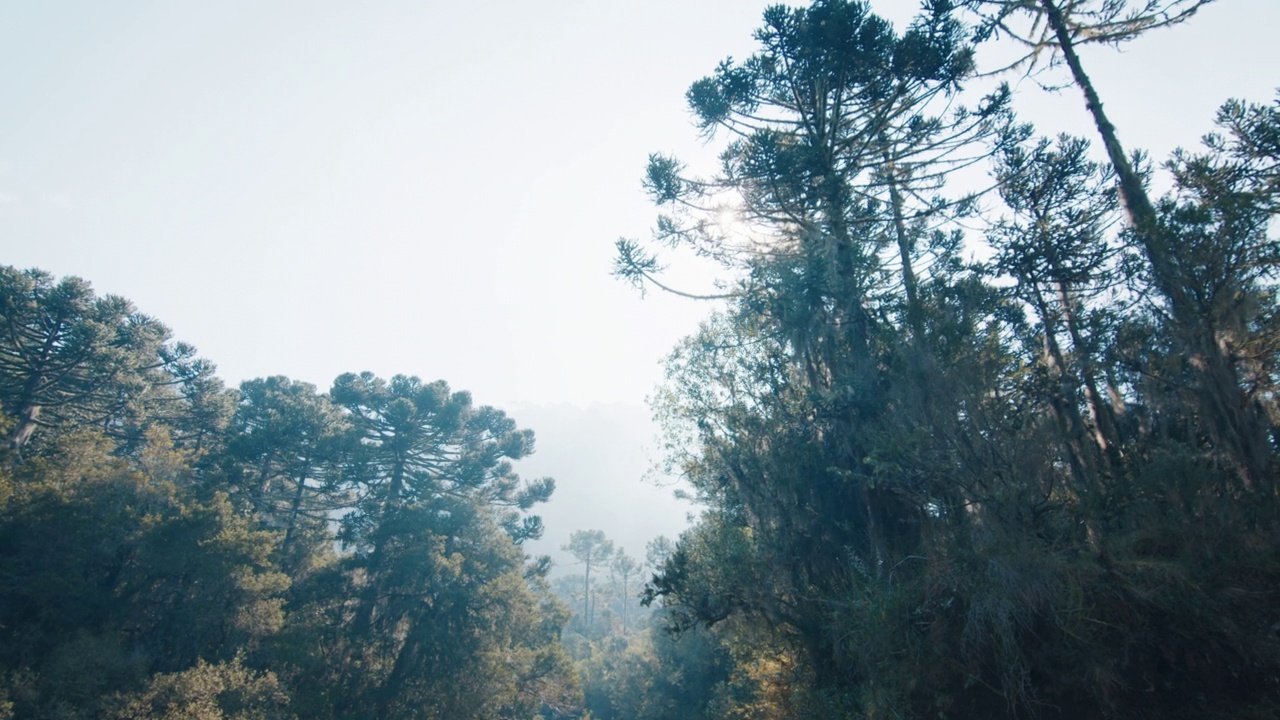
x=983 y=428
x=1023 y=470
x=167 y=546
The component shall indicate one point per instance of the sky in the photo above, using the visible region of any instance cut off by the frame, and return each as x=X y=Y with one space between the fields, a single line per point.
x=310 y=188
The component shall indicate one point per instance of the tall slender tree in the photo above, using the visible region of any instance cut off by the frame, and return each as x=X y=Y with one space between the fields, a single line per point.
x=1058 y=29
x=593 y=550
x=1056 y=246
x=624 y=570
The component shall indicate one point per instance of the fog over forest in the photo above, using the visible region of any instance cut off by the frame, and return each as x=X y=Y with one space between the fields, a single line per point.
x=606 y=462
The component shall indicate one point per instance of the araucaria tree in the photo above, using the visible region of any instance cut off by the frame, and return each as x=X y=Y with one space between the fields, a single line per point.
x=1206 y=335
x=945 y=487
x=593 y=550
x=168 y=548
x=435 y=528
x=67 y=355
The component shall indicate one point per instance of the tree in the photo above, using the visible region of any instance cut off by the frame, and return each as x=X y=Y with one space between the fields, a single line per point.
x=431 y=612
x=841 y=136
x=1220 y=220
x=225 y=691
x=421 y=441
x=592 y=549
x=66 y=354
x=624 y=569
x=1060 y=29
x=942 y=500
x=190 y=400
x=657 y=551
x=141 y=548
x=801 y=402
x=289 y=442
x=1056 y=247
x=112 y=570
x=449 y=623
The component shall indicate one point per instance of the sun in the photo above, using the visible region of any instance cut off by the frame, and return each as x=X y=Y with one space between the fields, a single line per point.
x=728 y=219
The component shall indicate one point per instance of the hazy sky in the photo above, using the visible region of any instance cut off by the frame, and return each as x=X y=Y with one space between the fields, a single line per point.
x=308 y=188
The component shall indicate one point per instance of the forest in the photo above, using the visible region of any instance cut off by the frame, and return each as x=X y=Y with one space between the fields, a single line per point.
x=984 y=424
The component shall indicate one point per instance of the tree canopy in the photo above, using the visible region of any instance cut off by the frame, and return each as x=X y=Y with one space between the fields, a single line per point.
x=942 y=482
x=170 y=549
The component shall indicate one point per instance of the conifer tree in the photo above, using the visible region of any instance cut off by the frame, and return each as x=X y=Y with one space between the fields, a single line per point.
x=593 y=550
x=69 y=355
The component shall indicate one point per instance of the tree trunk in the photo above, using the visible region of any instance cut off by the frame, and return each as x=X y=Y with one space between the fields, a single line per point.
x=1104 y=425
x=586 y=595
x=28 y=421
x=909 y=282
x=294 y=509
x=1133 y=196
x=1238 y=431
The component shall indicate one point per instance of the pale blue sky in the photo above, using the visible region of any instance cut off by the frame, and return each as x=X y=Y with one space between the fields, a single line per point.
x=316 y=188
x=308 y=188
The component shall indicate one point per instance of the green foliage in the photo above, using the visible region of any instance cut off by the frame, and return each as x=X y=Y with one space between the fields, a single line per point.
x=167 y=547
x=1041 y=485
x=226 y=691
x=111 y=571
x=67 y=355
x=442 y=616
x=419 y=441
x=286 y=448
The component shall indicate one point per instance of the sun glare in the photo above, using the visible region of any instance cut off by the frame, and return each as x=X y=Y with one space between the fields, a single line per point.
x=728 y=219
